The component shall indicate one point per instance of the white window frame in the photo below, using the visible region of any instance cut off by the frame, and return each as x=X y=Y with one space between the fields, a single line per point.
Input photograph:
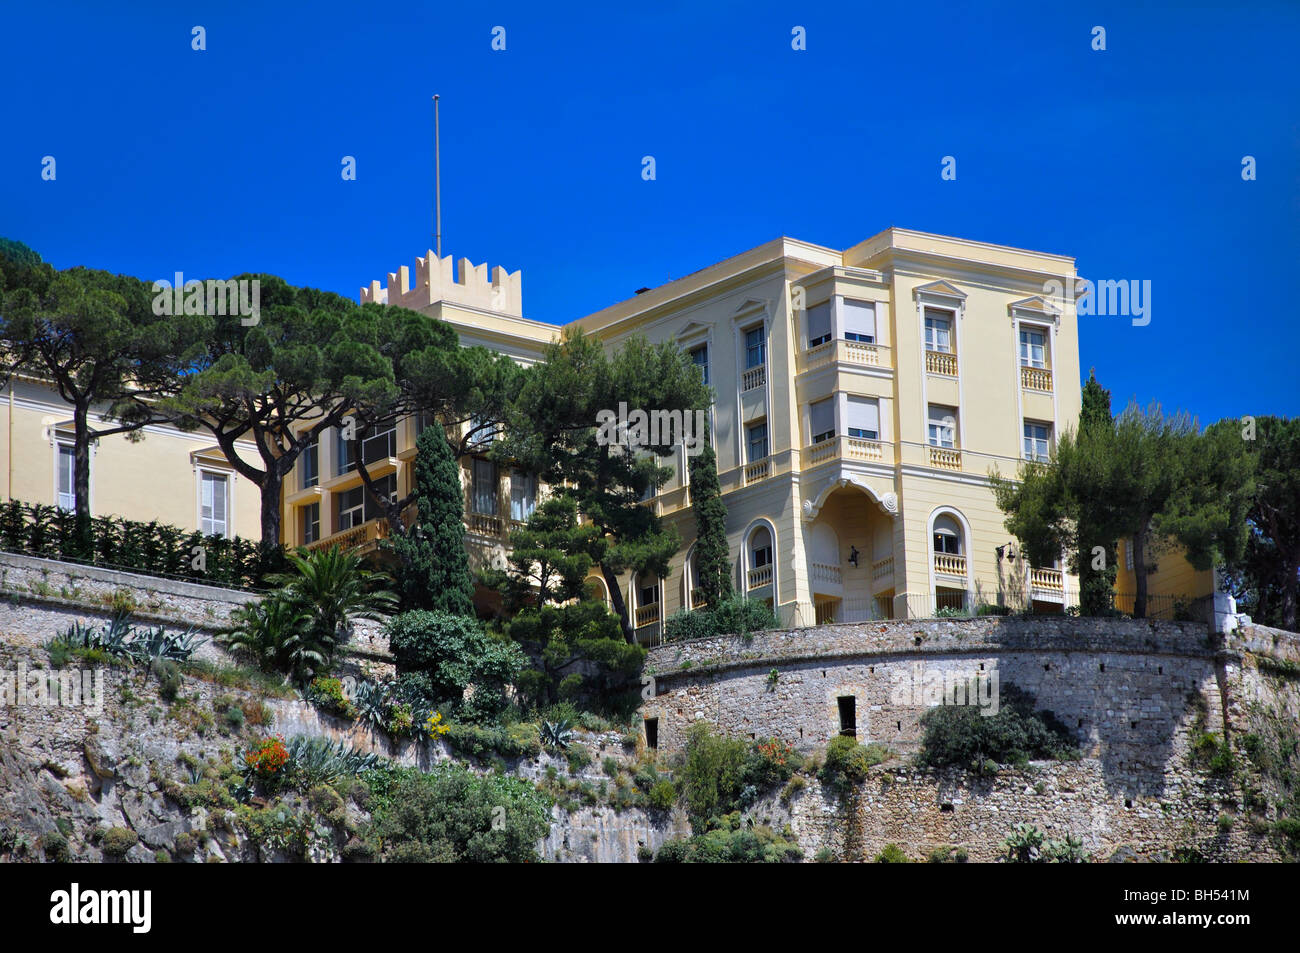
x=494 y=485
x=760 y=556
x=1031 y=439
x=761 y=330
x=749 y=442
x=932 y=422
x=824 y=435
x=703 y=365
x=224 y=476
x=70 y=504
x=306 y=522
x=355 y=515
x=527 y=484
x=875 y=321
x=932 y=319
x=1026 y=347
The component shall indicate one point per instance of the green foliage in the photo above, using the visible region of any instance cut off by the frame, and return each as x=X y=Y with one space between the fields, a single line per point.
x=117 y=841
x=119 y=639
x=274 y=633
x=433 y=571
x=451 y=653
x=1026 y=844
x=327 y=694
x=55 y=847
x=168 y=674
x=892 y=854
x=483 y=744
x=733 y=616
x=315 y=760
x=721 y=775
x=451 y=815
x=712 y=552
x=960 y=736
x=947 y=855
x=557 y=734
x=552 y=431
x=847 y=763
x=731 y=840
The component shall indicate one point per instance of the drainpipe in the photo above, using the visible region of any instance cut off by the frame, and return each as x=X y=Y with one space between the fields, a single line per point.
x=9 y=447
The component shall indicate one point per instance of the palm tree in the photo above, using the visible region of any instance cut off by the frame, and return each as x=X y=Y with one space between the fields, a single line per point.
x=334 y=588
x=276 y=633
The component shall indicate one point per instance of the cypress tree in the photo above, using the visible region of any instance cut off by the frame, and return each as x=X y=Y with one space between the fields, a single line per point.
x=1095 y=584
x=434 y=572
x=712 y=554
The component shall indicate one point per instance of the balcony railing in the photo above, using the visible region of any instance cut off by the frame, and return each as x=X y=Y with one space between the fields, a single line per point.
x=356 y=536
x=697 y=599
x=827 y=573
x=941 y=362
x=483 y=524
x=1036 y=378
x=754 y=378
x=760 y=577
x=647 y=615
x=950 y=564
x=945 y=458
x=761 y=470
x=1051 y=579
x=844 y=352
x=882 y=569
x=848 y=448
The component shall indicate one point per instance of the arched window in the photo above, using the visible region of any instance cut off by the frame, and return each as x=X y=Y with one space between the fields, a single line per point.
x=947 y=536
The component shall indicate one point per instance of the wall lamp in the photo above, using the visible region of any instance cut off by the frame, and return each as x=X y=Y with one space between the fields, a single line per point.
x=853 y=555
x=1010 y=552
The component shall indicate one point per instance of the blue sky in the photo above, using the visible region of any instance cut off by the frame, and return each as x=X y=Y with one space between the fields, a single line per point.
x=228 y=160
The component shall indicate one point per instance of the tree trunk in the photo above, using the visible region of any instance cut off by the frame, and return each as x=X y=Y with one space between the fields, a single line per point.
x=81 y=475
x=1140 y=572
x=272 y=485
x=619 y=604
x=1290 y=596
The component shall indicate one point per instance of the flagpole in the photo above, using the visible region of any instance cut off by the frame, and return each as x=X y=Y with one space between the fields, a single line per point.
x=437 y=183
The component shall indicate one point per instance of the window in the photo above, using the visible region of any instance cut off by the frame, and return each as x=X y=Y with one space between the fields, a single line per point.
x=310 y=523
x=938 y=332
x=700 y=358
x=848 y=709
x=760 y=548
x=350 y=508
x=755 y=348
x=386 y=489
x=311 y=464
x=1033 y=348
x=380 y=446
x=864 y=418
x=648 y=595
x=344 y=455
x=523 y=495
x=484 y=493
x=213 y=503
x=652 y=733
x=422 y=421
x=859 y=318
x=1037 y=438
x=821 y=419
x=757 y=434
x=942 y=426
x=947 y=535
x=819 y=324
x=484 y=431
x=1128 y=554
x=67 y=482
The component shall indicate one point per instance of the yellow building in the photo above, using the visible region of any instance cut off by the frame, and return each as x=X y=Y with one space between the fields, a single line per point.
x=863 y=398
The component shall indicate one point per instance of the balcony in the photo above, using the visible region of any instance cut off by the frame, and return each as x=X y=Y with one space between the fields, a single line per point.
x=760 y=577
x=1036 y=378
x=827 y=574
x=882 y=569
x=483 y=524
x=950 y=564
x=754 y=378
x=647 y=615
x=847 y=448
x=941 y=362
x=945 y=458
x=364 y=535
x=854 y=353
x=697 y=599
x=755 y=472
x=1052 y=580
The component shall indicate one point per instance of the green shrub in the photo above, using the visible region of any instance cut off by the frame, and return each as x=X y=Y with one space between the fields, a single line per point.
x=947 y=855
x=117 y=841
x=734 y=616
x=892 y=854
x=960 y=736
x=1026 y=844
x=730 y=840
x=847 y=763
x=55 y=847
x=824 y=856
x=453 y=653
x=327 y=694
x=663 y=796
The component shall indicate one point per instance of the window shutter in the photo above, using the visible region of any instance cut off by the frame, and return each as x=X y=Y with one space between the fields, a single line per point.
x=819 y=322
x=864 y=414
x=860 y=318
x=821 y=417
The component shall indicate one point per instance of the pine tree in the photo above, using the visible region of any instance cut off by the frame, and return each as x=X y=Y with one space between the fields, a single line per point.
x=712 y=554
x=434 y=571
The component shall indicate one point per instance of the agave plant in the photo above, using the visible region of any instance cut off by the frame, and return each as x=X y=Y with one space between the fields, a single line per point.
x=557 y=734
x=158 y=643
x=371 y=700
x=314 y=760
